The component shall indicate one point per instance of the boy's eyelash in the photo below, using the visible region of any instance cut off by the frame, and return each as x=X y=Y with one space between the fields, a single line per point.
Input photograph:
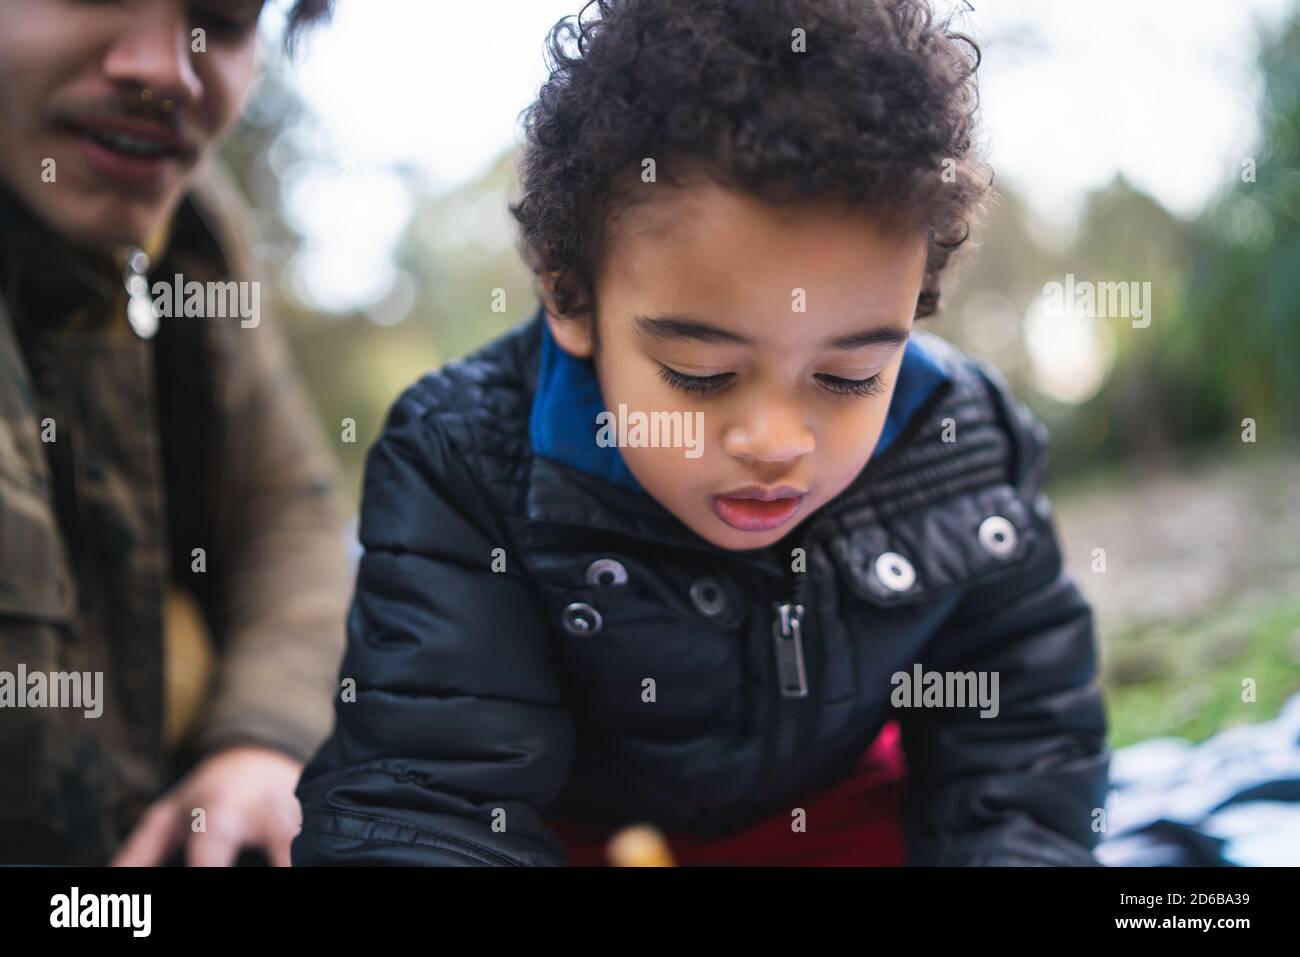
x=693 y=384
x=857 y=387
x=701 y=385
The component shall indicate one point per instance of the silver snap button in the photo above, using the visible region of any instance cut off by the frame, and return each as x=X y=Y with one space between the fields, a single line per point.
x=998 y=536
x=581 y=619
x=708 y=596
x=606 y=571
x=895 y=572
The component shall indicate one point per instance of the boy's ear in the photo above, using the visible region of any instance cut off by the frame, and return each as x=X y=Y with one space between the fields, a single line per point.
x=572 y=332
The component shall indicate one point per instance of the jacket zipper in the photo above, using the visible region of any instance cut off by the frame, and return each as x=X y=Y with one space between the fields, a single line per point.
x=787 y=633
x=791 y=669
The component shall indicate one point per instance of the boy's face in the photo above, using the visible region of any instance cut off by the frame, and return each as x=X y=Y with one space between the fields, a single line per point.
x=116 y=95
x=699 y=305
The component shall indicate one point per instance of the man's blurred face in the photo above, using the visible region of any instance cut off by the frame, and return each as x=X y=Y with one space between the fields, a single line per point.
x=125 y=97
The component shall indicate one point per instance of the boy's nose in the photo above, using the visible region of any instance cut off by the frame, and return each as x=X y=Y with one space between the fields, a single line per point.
x=153 y=53
x=771 y=434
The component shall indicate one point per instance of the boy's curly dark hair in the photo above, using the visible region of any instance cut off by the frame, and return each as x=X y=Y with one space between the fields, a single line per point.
x=879 y=110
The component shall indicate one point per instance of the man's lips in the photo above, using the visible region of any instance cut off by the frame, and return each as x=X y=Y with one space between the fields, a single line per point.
x=158 y=135
x=130 y=151
x=757 y=509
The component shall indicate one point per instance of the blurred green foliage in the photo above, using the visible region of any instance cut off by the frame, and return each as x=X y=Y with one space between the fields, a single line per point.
x=1187 y=681
x=1236 y=350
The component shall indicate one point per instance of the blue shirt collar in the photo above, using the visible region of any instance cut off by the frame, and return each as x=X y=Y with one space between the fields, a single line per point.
x=563 y=422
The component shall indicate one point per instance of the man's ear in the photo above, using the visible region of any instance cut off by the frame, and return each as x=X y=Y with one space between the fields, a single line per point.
x=573 y=332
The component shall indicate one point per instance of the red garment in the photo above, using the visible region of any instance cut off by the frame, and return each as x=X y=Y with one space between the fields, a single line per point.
x=855 y=822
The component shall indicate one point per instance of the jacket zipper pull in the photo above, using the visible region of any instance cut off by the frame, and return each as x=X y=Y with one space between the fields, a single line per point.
x=786 y=631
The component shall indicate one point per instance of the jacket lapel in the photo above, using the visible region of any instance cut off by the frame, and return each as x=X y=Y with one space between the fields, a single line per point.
x=34 y=574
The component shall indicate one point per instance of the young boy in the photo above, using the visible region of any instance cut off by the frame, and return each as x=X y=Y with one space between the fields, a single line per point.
x=696 y=543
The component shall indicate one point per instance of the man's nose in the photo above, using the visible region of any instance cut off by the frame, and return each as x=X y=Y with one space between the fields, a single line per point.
x=153 y=55
x=771 y=433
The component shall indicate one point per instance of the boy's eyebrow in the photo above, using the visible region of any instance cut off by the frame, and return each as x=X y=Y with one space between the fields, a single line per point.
x=684 y=327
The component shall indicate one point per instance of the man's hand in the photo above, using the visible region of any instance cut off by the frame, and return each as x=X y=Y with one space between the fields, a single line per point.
x=246 y=796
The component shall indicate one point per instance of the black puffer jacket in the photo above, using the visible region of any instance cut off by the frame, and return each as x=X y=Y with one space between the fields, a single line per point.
x=485 y=700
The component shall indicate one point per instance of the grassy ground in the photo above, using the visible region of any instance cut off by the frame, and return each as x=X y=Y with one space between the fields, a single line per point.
x=1190 y=681
x=1201 y=590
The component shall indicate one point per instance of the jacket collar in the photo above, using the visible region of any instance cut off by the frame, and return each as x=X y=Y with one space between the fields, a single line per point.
x=44 y=279
x=574 y=481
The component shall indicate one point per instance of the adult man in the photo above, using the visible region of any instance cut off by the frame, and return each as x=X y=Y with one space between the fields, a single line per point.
x=139 y=454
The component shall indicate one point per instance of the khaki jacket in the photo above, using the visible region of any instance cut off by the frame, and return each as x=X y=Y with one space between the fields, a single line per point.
x=130 y=469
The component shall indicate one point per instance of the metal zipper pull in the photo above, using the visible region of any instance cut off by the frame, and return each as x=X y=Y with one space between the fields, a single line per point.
x=140 y=309
x=790 y=674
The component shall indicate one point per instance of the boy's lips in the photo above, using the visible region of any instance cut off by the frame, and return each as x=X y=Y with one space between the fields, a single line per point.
x=757 y=509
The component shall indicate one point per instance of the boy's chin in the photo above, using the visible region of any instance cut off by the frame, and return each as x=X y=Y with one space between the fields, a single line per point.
x=717 y=532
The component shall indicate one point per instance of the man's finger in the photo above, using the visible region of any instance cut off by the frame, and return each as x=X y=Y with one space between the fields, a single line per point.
x=213 y=848
x=277 y=848
x=155 y=836
x=281 y=825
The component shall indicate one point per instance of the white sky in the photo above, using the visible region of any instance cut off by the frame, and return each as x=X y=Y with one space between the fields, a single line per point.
x=1072 y=92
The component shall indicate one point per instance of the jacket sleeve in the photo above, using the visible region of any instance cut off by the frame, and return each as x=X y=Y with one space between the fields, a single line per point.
x=457 y=734
x=277 y=565
x=1022 y=787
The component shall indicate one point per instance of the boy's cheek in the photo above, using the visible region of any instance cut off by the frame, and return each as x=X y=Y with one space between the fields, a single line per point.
x=671 y=473
x=679 y=484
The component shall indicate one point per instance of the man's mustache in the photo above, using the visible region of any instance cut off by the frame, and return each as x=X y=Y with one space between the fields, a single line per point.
x=171 y=125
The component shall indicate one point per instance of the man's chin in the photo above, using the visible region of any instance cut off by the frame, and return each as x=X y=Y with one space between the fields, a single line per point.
x=103 y=225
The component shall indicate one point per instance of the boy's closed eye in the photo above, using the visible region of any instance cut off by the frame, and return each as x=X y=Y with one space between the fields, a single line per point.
x=713 y=384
